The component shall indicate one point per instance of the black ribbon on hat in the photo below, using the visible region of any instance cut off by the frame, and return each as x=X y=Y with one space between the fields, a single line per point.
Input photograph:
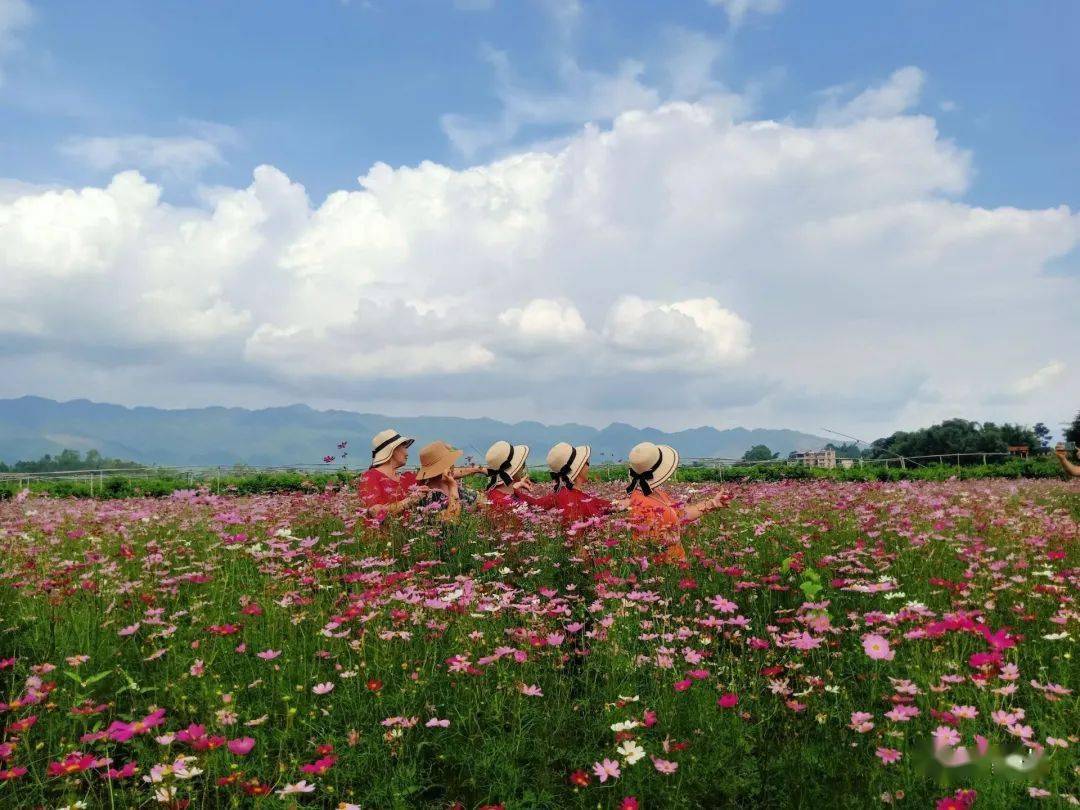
x=494 y=475
x=562 y=477
x=642 y=479
x=384 y=445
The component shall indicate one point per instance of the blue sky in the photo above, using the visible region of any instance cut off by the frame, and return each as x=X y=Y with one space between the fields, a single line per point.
x=781 y=213
x=323 y=89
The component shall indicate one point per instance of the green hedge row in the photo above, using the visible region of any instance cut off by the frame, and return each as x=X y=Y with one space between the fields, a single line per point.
x=121 y=486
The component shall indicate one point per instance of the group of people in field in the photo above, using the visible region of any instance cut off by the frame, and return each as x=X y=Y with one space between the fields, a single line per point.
x=385 y=489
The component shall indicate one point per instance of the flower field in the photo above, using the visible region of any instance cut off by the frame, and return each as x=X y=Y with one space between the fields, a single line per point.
x=830 y=644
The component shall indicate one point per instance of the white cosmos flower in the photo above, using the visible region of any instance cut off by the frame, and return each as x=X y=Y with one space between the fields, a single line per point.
x=630 y=751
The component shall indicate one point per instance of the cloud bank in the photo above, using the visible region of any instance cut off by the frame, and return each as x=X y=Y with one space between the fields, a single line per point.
x=683 y=265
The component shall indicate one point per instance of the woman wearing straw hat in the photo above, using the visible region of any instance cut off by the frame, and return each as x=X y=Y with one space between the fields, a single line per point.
x=654 y=515
x=438 y=474
x=508 y=478
x=569 y=467
x=382 y=488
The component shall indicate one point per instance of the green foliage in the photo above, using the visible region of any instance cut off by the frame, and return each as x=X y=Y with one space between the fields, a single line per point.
x=759 y=452
x=1072 y=432
x=70 y=460
x=955 y=436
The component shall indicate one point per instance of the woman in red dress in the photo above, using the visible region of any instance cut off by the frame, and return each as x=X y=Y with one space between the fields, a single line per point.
x=569 y=467
x=508 y=479
x=383 y=490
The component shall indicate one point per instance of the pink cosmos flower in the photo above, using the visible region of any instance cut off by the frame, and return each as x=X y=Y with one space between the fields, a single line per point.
x=722 y=605
x=665 y=766
x=128 y=770
x=323 y=688
x=860 y=722
x=435 y=722
x=805 y=641
x=888 y=755
x=683 y=685
x=119 y=731
x=530 y=690
x=902 y=713
x=242 y=746
x=12 y=773
x=607 y=768
x=268 y=655
x=964 y=712
x=130 y=630
x=877 y=647
x=728 y=700
x=946 y=736
x=300 y=787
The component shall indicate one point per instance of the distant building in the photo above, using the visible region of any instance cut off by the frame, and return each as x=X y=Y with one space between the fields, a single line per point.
x=815 y=458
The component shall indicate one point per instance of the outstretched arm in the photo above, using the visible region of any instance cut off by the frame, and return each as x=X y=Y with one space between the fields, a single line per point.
x=462 y=472
x=1071 y=469
x=692 y=511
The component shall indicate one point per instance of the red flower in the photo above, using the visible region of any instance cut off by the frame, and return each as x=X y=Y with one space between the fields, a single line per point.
x=11 y=773
x=74 y=762
x=579 y=779
x=319 y=766
x=629 y=803
x=122 y=773
x=374 y=684
x=224 y=629
x=961 y=800
x=255 y=788
x=20 y=726
x=728 y=700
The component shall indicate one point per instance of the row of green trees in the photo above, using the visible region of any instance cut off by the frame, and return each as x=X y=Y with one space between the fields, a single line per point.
x=70 y=460
x=947 y=438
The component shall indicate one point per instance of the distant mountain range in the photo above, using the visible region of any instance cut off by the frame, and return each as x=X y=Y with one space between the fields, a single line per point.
x=33 y=426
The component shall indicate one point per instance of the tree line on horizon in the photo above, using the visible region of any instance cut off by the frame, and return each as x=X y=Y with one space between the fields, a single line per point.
x=950 y=437
x=70 y=460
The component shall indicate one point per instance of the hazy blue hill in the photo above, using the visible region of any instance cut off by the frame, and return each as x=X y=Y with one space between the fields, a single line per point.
x=32 y=426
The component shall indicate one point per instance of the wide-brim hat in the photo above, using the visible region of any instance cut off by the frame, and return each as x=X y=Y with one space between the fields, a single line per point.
x=566 y=462
x=651 y=465
x=505 y=462
x=435 y=459
x=385 y=443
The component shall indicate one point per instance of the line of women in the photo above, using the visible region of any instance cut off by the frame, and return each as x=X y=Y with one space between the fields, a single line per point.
x=385 y=489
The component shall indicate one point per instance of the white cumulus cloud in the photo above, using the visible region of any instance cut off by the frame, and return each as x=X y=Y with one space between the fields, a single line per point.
x=1040 y=378
x=760 y=271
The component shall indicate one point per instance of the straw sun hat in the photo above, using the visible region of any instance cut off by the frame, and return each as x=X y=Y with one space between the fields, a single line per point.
x=435 y=459
x=505 y=462
x=384 y=444
x=651 y=465
x=566 y=462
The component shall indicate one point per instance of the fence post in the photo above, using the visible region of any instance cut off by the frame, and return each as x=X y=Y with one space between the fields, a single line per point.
x=957 y=461
x=984 y=459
